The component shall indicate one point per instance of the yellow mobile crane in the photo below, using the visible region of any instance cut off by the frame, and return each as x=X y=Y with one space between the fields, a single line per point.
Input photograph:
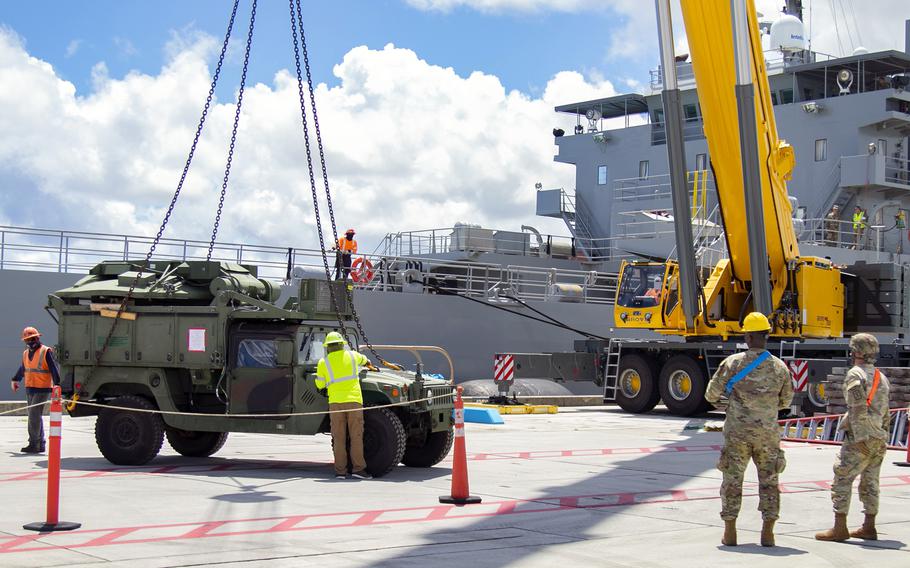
x=698 y=312
x=803 y=296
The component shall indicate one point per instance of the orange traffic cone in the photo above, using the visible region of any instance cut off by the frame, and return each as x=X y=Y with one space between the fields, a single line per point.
x=52 y=522
x=461 y=495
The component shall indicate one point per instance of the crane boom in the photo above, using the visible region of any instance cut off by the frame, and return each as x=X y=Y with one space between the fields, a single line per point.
x=803 y=296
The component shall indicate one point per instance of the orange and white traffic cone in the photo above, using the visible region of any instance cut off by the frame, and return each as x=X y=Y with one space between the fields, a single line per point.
x=906 y=463
x=461 y=495
x=53 y=473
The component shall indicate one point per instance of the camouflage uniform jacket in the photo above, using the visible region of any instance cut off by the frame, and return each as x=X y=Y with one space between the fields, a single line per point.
x=862 y=420
x=755 y=399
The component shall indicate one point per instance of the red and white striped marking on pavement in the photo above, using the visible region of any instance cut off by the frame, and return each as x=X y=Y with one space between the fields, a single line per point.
x=503 y=368
x=291 y=523
x=241 y=465
x=799 y=371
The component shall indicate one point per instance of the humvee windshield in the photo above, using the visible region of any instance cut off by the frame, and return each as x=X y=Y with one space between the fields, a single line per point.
x=311 y=338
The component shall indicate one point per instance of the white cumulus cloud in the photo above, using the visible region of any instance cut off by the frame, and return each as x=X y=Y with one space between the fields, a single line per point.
x=408 y=145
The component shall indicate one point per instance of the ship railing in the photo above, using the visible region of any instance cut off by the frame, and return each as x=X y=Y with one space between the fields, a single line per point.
x=473 y=239
x=897 y=170
x=655 y=187
x=551 y=284
x=77 y=252
x=883 y=237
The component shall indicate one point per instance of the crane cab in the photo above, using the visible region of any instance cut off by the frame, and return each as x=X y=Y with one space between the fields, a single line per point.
x=646 y=295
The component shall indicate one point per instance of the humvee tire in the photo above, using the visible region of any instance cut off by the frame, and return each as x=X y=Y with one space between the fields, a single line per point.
x=384 y=440
x=194 y=444
x=129 y=438
x=435 y=449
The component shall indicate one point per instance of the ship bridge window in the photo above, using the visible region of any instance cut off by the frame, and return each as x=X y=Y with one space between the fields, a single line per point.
x=691 y=112
x=601 y=175
x=658 y=116
x=821 y=150
x=786 y=96
x=773 y=98
x=643 y=169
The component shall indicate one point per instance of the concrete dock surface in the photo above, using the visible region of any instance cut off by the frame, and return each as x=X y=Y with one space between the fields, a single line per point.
x=589 y=486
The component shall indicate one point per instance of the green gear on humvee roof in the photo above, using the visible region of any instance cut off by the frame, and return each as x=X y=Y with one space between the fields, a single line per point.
x=205 y=338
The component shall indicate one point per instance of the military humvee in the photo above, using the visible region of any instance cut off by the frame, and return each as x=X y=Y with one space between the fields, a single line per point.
x=205 y=338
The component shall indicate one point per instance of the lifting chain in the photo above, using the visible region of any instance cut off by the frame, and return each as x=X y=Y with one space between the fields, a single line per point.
x=230 y=157
x=297 y=22
x=186 y=168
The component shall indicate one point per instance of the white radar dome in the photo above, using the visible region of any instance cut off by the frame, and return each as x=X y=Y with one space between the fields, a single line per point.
x=788 y=34
x=860 y=51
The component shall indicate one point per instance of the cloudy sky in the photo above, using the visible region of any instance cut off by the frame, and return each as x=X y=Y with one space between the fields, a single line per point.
x=432 y=111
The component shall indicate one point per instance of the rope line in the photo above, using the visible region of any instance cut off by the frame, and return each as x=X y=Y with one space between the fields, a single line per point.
x=21 y=408
x=283 y=414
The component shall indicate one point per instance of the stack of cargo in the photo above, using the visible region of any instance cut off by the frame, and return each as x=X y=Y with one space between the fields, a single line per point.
x=900 y=388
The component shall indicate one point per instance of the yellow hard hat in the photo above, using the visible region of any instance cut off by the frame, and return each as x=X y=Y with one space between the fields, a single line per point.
x=756 y=321
x=332 y=337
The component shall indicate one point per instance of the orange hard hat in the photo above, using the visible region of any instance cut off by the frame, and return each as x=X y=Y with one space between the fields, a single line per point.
x=29 y=333
x=349 y=232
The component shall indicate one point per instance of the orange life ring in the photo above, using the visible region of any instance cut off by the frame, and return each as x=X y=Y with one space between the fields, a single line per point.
x=362 y=270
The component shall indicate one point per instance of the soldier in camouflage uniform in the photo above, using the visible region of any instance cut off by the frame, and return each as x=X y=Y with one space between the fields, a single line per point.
x=758 y=385
x=865 y=427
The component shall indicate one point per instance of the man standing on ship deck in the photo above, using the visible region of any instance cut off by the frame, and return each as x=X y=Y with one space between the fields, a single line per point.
x=758 y=384
x=347 y=247
x=40 y=372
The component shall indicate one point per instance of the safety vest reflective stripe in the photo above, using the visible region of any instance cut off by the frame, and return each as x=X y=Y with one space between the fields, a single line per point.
x=333 y=379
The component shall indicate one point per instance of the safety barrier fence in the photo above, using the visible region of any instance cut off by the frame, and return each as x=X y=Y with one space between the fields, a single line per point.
x=825 y=429
x=77 y=252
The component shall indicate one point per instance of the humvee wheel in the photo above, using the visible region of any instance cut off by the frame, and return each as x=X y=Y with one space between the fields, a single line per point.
x=129 y=438
x=436 y=448
x=194 y=444
x=384 y=440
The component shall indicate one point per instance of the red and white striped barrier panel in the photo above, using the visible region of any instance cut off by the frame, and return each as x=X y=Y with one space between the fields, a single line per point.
x=52 y=522
x=503 y=368
x=799 y=370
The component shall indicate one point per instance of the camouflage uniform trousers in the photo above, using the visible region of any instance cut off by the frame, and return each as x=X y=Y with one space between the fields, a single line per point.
x=763 y=448
x=852 y=463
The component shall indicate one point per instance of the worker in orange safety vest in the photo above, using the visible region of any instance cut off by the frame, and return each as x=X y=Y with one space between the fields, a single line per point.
x=40 y=373
x=347 y=247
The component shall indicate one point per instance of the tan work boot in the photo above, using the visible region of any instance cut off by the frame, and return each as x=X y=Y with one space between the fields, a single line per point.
x=837 y=534
x=867 y=531
x=767 y=533
x=729 y=533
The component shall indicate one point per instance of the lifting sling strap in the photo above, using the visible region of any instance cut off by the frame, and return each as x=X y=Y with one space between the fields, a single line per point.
x=745 y=371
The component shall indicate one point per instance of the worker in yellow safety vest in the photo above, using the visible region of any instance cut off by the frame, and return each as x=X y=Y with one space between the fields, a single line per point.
x=339 y=374
x=347 y=247
x=40 y=373
x=859 y=225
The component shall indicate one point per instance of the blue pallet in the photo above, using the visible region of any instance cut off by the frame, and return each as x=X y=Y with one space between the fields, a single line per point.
x=483 y=416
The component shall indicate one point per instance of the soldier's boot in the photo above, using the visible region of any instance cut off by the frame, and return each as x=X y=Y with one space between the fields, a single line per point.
x=837 y=534
x=729 y=533
x=767 y=533
x=867 y=531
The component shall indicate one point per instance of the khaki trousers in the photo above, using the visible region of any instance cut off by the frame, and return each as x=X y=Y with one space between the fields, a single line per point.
x=346 y=424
